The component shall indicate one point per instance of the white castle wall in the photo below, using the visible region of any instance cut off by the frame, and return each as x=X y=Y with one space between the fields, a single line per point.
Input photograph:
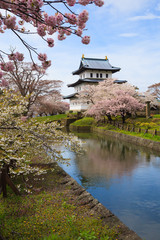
x=87 y=74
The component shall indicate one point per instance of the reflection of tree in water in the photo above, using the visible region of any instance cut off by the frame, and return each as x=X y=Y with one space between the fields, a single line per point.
x=110 y=158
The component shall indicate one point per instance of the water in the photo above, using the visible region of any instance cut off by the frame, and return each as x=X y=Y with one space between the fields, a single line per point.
x=123 y=177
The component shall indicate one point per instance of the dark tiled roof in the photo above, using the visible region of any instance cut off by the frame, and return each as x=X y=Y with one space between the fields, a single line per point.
x=88 y=80
x=84 y=80
x=70 y=96
x=120 y=81
x=95 y=64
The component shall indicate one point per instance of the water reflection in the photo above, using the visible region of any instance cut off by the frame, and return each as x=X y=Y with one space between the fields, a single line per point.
x=123 y=177
x=109 y=158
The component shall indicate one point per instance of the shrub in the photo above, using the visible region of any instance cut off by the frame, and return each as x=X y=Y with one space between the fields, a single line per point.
x=86 y=121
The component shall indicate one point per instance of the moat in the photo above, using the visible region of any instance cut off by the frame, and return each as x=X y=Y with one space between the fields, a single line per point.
x=125 y=178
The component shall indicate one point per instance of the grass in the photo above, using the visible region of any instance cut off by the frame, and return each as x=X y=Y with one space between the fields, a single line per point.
x=51 y=213
x=86 y=121
x=144 y=123
x=51 y=118
x=156 y=116
x=55 y=117
x=141 y=135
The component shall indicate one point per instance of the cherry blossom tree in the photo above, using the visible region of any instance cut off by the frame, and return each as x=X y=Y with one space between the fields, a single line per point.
x=155 y=90
x=46 y=17
x=22 y=139
x=151 y=98
x=104 y=90
x=27 y=79
x=50 y=105
x=121 y=103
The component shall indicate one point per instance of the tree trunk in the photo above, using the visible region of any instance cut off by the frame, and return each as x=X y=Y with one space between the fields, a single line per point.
x=123 y=119
x=3 y=181
x=109 y=117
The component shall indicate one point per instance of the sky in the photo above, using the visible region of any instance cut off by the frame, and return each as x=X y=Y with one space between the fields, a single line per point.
x=126 y=31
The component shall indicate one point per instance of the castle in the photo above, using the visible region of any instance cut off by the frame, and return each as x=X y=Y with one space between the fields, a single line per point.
x=91 y=71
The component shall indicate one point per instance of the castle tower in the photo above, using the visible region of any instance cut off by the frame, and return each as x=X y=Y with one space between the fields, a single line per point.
x=91 y=71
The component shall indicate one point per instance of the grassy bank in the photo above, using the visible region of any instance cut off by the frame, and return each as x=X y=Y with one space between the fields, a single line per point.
x=55 y=117
x=50 y=211
x=51 y=118
x=86 y=121
x=141 y=135
x=151 y=124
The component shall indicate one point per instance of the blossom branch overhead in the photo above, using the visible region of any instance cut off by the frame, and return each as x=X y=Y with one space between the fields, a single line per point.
x=20 y=12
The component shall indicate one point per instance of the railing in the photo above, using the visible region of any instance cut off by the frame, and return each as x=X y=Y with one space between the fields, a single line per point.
x=133 y=128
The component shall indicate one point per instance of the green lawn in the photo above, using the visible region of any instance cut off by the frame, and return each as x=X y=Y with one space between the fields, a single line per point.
x=50 y=118
x=51 y=211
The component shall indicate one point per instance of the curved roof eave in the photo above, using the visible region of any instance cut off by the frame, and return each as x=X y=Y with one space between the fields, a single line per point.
x=84 y=80
x=70 y=96
x=78 y=71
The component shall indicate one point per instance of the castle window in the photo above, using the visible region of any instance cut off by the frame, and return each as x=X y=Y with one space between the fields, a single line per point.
x=91 y=75
x=100 y=75
x=97 y=75
x=106 y=75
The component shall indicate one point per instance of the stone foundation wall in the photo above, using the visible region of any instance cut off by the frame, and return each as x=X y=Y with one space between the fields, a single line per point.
x=73 y=128
x=132 y=139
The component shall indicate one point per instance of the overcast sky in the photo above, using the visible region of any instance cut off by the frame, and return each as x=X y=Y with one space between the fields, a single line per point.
x=126 y=31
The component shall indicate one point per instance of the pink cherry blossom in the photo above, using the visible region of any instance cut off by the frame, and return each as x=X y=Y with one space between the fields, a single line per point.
x=12 y=56
x=41 y=30
x=51 y=30
x=61 y=37
x=46 y=64
x=22 y=29
x=4 y=27
x=42 y=57
x=71 y=18
x=4 y=83
x=59 y=18
x=50 y=20
x=71 y=2
x=7 y=66
x=50 y=42
x=86 y=40
x=61 y=31
x=68 y=31
x=21 y=22
x=32 y=12
x=79 y=32
x=99 y=3
x=10 y=22
x=35 y=4
x=19 y=56
x=83 y=16
x=84 y=2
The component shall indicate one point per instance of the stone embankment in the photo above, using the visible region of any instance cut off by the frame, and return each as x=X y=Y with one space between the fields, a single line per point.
x=128 y=138
x=96 y=209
